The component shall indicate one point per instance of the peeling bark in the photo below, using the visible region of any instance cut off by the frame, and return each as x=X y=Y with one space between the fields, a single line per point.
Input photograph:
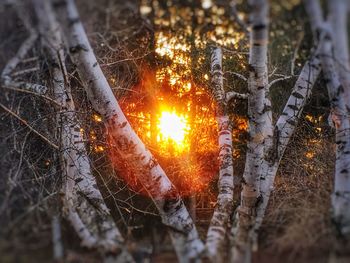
x=83 y=203
x=129 y=146
x=223 y=209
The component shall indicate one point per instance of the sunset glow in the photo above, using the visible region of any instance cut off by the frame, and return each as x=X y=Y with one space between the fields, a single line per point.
x=173 y=127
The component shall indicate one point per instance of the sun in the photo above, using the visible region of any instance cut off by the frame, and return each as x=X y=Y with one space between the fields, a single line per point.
x=173 y=127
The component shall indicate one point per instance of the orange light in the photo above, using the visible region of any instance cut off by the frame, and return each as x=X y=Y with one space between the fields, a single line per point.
x=99 y=148
x=173 y=127
x=97 y=118
x=310 y=155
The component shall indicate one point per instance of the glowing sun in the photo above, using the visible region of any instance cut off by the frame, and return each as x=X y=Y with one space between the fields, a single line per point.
x=172 y=126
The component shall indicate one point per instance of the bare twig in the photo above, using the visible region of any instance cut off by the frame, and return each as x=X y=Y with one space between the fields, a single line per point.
x=235 y=95
x=295 y=53
x=237 y=75
x=45 y=139
x=35 y=89
x=280 y=79
x=21 y=53
x=25 y=71
x=30 y=92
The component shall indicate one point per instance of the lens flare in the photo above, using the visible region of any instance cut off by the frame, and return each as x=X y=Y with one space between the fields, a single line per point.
x=173 y=127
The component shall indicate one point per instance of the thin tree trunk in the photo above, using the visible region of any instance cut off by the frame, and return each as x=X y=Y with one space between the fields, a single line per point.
x=337 y=80
x=314 y=11
x=130 y=148
x=6 y=77
x=223 y=209
x=57 y=238
x=283 y=131
x=83 y=203
x=341 y=121
x=259 y=117
x=338 y=15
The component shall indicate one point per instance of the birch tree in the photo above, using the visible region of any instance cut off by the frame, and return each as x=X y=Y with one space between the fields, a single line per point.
x=273 y=153
x=338 y=18
x=283 y=131
x=130 y=148
x=223 y=209
x=339 y=116
x=335 y=61
x=339 y=10
x=259 y=120
x=7 y=80
x=83 y=203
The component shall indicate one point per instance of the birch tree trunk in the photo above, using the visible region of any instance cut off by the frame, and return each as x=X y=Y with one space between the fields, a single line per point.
x=337 y=78
x=282 y=132
x=338 y=16
x=314 y=12
x=7 y=80
x=341 y=122
x=83 y=203
x=130 y=148
x=259 y=122
x=218 y=225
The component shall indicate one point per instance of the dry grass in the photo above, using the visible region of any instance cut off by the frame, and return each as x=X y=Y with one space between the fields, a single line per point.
x=298 y=223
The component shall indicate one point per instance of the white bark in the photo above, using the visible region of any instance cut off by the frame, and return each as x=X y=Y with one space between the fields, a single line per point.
x=235 y=95
x=128 y=145
x=57 y=238
x=338 y=84
x=283 y=131
x=7 y=79
x=314 y=11
x=223 y=209
x=20 y=55
x=341 y=121
x=33 y=87
x=83 y=203
x=338 y=15
x=259 y=117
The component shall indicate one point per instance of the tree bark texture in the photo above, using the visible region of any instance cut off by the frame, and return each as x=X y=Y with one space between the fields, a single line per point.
x=223 y=209
x=83 y=203
x=129 y=146
x=259 y=120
